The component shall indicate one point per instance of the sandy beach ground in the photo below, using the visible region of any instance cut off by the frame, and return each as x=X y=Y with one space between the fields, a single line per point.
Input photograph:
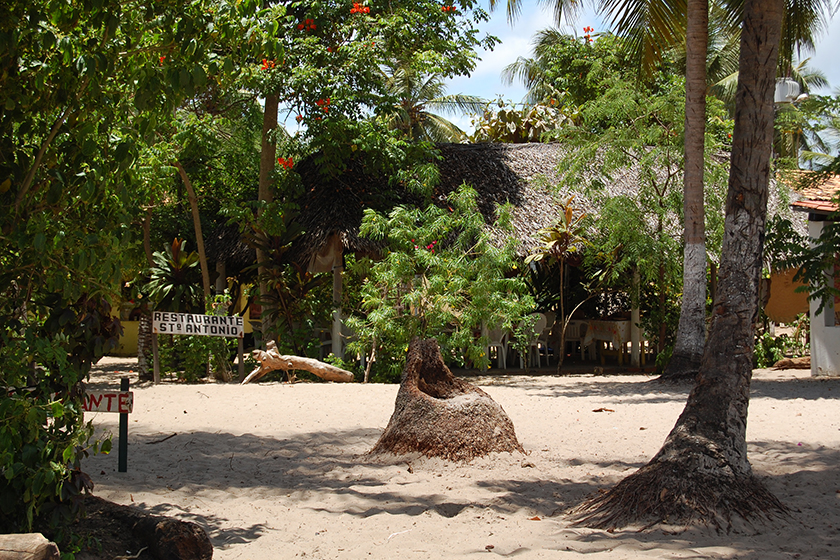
x=280 y=471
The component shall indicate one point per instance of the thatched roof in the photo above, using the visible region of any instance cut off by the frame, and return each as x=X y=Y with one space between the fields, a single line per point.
x=225 y=243
x=524 y=175
x=519 y=174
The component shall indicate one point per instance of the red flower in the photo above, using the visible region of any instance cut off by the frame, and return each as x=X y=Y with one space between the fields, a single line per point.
x=162 y=59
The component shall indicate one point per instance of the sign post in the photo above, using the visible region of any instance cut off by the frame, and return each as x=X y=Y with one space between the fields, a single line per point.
x=229 y=326
x=112 y=401
x=122 y=455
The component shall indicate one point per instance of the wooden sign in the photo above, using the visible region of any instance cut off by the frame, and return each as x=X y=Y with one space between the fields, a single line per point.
x=203 y=325
x=108 y=401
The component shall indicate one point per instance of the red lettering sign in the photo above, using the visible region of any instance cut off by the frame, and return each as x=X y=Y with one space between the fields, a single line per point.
x=104 y=401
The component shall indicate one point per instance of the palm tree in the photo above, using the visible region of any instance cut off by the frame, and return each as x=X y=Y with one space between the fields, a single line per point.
x=559 y=243
x=418 y=95
x=702 y=471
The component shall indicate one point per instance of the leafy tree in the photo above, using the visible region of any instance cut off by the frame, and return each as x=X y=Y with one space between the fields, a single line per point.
x=567 y=69
x=326 y=72
x=508 y=124
x=640 y=128
x=560 y=242
x=440 y=277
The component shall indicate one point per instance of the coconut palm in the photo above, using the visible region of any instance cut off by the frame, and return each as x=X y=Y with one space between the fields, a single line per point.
x=418 y=96
x=702 y=471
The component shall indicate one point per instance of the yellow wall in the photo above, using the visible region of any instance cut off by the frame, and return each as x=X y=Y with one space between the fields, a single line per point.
x=785 y=303
x=128 y=341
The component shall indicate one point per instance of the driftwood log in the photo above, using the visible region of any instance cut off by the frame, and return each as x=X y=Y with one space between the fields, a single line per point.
x=27 y=546
x=802 y=362
x=439 y=415
x=270 y=359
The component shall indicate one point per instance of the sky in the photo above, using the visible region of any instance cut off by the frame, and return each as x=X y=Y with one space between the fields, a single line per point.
x=516 y=40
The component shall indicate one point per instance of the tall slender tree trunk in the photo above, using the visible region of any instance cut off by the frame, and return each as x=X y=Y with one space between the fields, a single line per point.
x=147 y=237
x=199 y=236
x=702 y=471
x=563 y=321
x=268 y=153
x=691 y=333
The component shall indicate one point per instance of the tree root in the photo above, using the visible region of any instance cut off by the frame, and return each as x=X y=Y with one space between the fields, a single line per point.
x=438 y=415
x=669 y=492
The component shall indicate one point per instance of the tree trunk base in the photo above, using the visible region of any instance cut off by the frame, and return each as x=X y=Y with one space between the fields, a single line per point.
x=437 y=415
x=669 y=492
x=680 y=369
x=118 y=529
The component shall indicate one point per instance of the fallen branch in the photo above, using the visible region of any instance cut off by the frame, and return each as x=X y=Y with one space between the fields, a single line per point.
x=270 y=359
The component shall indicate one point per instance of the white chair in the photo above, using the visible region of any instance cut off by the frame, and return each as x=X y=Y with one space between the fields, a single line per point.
x=545 y=336
x=534 y=344
x=497 y=338
x=575 y=333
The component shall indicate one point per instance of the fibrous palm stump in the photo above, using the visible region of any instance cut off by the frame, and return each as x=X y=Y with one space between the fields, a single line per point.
x=440 y=416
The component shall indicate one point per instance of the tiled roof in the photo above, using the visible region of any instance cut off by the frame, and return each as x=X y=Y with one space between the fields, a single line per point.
x=817 y=198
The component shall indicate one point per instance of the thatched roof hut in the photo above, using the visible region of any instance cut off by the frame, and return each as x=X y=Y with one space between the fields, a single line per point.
x=519 y=174
x=524 y=175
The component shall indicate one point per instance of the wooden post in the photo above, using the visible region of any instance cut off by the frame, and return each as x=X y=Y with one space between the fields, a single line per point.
x=337 y=349
x=635 y=330
x=122 y=457
x=156 y=375
x=241 y=352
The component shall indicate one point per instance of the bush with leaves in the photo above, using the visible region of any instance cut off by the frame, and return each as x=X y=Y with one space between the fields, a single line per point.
x=441 y=277
x=42 y=433
x=175 y=283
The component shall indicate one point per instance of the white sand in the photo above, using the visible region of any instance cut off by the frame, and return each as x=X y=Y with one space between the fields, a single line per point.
x=280 y=471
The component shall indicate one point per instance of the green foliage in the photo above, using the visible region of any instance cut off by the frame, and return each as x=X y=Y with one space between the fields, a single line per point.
x=768 y=350
x=440 y=277
x=296 y=303
x=638 y=127
x=528 y=124
x=191 y=358
x=575 y=66
x=42 y=434
x=175 y=283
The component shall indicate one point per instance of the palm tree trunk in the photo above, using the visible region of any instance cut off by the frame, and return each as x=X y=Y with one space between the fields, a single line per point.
x=268 y=153
x=199 y=236
x=691 y=333
x=702 y=471
x=147 y=237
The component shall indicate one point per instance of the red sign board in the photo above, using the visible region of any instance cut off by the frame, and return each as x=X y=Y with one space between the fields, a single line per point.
x=108 y=401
